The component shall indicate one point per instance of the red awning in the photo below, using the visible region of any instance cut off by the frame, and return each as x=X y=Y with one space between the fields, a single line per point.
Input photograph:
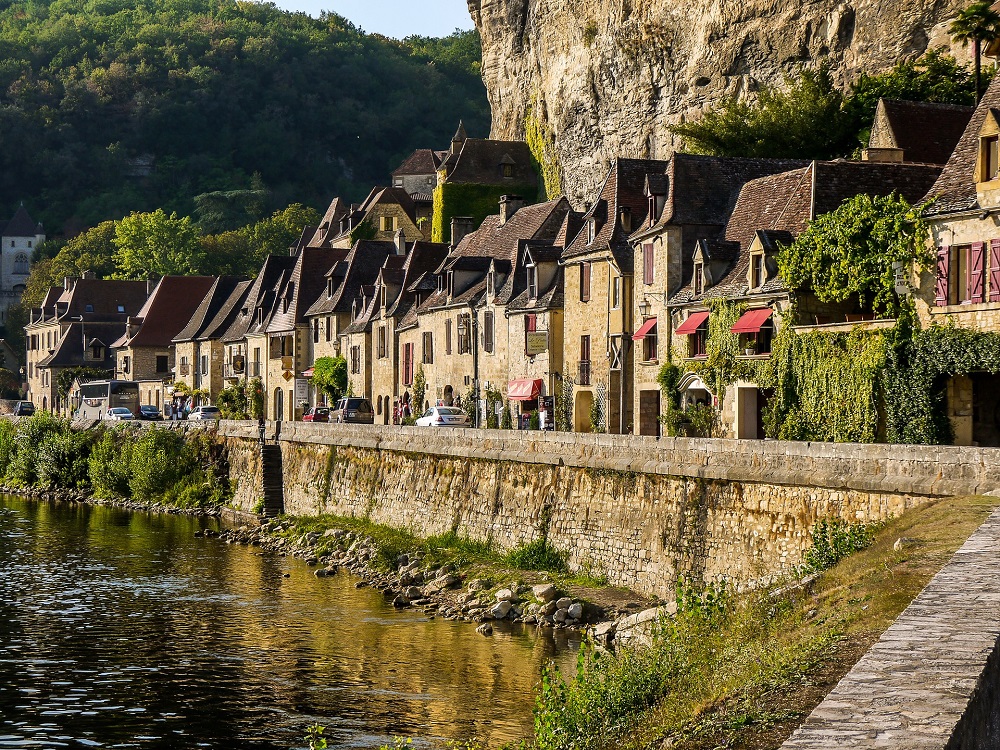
x=752 y=320
x=308 y=373
x=692 y=324
x=524 y=389
x=644 y=329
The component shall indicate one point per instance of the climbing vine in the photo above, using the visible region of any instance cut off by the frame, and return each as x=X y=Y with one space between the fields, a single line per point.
x=541 y=143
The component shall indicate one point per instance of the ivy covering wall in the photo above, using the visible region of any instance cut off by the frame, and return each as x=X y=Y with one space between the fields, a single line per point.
x=478 y=201
x=541 y=142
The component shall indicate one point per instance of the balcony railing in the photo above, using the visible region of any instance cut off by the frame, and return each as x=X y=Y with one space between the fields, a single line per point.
x=583 y=375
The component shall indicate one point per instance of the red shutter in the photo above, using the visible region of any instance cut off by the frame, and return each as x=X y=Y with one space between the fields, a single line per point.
x=941 y=285
x=585 y=282
x=994 y=270
x=647 y=263
x=977 y=262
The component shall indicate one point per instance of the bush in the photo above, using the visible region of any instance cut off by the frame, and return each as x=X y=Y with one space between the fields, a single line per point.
x=537 y=555
x=534 y=421
x=30 y=433
x=110 y=461
x=833 y=541
x=63 y=459
x=159 y=462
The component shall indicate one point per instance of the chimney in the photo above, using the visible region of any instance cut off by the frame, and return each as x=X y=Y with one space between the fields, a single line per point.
x=625 y=218
x=150 y=286
x=400 y=242
x=460 y=226
x=508 y=207
x=68 y=283
x=89 y=275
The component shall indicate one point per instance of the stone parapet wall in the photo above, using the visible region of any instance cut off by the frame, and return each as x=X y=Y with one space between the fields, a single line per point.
x=638 y=511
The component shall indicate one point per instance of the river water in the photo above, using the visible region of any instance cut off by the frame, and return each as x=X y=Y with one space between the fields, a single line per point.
x=120 y=629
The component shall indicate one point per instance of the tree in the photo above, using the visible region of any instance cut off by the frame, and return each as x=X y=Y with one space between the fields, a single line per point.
x=155 y=244
x=851 y=251
x=330 y=376
x=92 y=250
x=977 y=24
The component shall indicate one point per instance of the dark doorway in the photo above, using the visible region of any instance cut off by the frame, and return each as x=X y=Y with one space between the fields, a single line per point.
x=649 y=413
x=985 y=409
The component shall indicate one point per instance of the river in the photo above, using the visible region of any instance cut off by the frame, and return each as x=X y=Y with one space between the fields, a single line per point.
x=120 y=629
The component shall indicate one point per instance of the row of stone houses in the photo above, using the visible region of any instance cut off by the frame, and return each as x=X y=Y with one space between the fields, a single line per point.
x=544 y=306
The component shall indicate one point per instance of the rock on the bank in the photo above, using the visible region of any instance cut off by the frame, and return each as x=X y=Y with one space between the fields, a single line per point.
x=544 y=592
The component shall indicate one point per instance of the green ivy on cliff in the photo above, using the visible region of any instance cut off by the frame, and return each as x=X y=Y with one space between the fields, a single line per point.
x=541 y=141
x=453 y=199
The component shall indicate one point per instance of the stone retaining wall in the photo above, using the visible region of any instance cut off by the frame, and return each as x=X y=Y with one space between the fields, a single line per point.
x=637 y=510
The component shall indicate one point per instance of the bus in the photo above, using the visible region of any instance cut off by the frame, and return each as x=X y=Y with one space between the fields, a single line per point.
x=97 y=396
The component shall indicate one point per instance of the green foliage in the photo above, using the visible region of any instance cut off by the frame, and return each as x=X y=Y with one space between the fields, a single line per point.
x=419 y=391
x=149 y=245
x=92 y=250
x=506 y=418
x=63 y=459
x=109 y=463
x=918 y=368
x=134 y=105
x=330 y=376
x=597 y=421
x=255 y=393
x=827 y=386
x=235 y=401
x=534 y=421
x=669 y=377
x=977 y=23
x=316 y=737
x=365 y=230
x=493 y=397
x=564 y=406
x=811 y=119
x=65 y=379
x=23 y=466
x=833 y=540
x=848 y=253
x=158 y=463
x=537 y=555
x=478 y=201
x=225 y=210
x=541 y=142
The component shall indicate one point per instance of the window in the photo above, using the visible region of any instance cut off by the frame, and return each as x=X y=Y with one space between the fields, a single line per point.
x=329 y=288
x=508 y=170
x=315 y=330
x=990 y=158
x=699 y=278
x=126 y=363
x=591 y=231
x=616 y=292
x=757 y=272
x=488 y=331
x=648 y=264
x=447 y=336
x=464 y=334
x=398 y=182
x=88 y=308
x=355 y=360
x=21 y=263
x=649 y=346
x=697 y=342
x=585 y=282
x=407 y=364
x=491 y=283
x=382 y=342
x=204 y=364
x=162 y=364
x=583 y=377
x=428 y=353
x=388 y=223
x=532 y=282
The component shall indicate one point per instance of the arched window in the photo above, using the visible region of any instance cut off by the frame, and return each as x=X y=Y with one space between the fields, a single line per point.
x=21 y=264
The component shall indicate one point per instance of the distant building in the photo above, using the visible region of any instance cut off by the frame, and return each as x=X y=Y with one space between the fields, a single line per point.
x=916 y=132
x=19 y=238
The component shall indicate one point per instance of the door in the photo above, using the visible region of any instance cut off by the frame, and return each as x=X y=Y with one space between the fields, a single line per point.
x=649 y=412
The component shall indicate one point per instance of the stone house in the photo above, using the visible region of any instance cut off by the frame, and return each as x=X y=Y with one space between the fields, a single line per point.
x=964 y=290
x=288 y=338
x=741 y=267
x=915 y=132
x=691 y=199
x=244 y=341
x=199 y=350
x=74 y=328
x=379 y=217
x=418 y=175
x=459 y=335
x=19 y=237
x=145 y=352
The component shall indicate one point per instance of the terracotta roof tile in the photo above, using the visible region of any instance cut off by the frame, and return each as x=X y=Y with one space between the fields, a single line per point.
x=168 y=310
x=927 y=132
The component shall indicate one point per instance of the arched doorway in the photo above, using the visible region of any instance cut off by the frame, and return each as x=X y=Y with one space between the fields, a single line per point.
x=279 y=404
x=581 y=411
x=386 y=410
x=449 y=396
x=45 y=403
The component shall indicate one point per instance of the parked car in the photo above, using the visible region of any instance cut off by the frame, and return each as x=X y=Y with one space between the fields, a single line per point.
x=205 y=413
x=119 y=414
x=443 y=416
x=316 y=414
x=354 y=410
x=150 y=413
x=24 y=409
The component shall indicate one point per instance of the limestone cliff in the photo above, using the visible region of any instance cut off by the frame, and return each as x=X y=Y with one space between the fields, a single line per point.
x=606 y=78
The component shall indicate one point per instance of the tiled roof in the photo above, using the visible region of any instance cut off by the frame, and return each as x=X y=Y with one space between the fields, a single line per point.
x=927 y=132
x=329 y=225
x=168 y=310
x=69 y=352
x=363 y=263
x=420 y=162
x=304 y=285
x=260 y=294
x=624 y=187
x=836 y=181
x=96 y=299
x=22 y=225
x=203 y=322
x=551 y=299
x=955 y=189
x=480 y=160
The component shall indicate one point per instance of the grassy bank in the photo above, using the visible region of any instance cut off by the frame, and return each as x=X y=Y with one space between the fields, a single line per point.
x=150 y=465
x=744 y=671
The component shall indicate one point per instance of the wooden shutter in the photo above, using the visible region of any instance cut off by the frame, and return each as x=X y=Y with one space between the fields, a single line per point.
x=977 y=262
x=941 y=285
x=994 y=270
x=647 y=264
x=488 y=331
x=447 y=336
x=585 y=282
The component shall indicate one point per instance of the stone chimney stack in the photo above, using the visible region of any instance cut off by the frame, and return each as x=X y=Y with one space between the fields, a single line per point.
x=68 y=283
x=460 y=226
x=509 y=204
x=399 y=240
x=150 y=286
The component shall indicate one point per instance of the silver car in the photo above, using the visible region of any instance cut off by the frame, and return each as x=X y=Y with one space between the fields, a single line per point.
x=443 y=416
x=119 y=414
x=205 y=413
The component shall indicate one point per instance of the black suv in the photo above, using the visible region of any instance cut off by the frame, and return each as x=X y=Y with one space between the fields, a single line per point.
x=24 y=409
x=354 y=410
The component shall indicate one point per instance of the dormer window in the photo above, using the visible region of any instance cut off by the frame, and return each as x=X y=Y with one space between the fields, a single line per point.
x=451 y=283
x=652 y=210
x=259 y=315
x=329 y=288
x=88 y=308
x=491 y=283
x=990 y=158
x=532 y=282
x=388 y=223
x=121 y=309
x=758 y=272
x=507 y=170
x=440 y=282
x=699 y=278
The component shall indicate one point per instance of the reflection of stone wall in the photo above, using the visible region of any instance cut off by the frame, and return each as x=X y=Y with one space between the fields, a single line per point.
x=638 y=510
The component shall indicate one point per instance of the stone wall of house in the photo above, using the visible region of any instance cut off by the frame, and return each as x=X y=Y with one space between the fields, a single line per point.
x=638 y=510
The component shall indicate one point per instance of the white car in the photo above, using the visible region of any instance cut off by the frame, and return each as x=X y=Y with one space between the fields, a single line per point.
x=205 y=413
x=443 y=416
x=119 y=414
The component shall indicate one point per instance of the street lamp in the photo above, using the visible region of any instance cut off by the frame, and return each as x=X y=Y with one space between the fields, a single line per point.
x=645 y=308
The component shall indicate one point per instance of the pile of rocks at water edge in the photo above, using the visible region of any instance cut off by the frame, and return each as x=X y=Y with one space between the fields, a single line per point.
x=78 y=496
x=540 y=605
x=632 y=630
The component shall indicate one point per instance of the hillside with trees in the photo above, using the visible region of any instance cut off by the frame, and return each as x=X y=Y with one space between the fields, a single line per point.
x=114 y=106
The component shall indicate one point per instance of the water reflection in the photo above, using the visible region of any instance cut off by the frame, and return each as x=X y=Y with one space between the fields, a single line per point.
x=121 y=629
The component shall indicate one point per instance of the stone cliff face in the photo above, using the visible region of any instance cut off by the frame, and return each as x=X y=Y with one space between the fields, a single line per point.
x=606 y=78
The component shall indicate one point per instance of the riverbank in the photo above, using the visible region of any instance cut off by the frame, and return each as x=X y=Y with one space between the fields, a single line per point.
x=61 y=494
